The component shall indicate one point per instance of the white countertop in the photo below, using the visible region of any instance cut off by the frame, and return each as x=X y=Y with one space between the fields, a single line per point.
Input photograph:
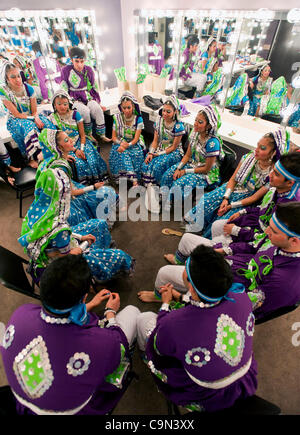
x=244 y=130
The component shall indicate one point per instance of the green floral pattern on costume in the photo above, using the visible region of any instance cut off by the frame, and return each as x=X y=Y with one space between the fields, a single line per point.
x=118 y=375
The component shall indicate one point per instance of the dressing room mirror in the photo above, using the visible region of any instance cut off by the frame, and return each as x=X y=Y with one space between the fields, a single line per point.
x=42 y=40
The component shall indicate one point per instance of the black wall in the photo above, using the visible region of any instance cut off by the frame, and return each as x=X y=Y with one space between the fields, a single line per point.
x=284 y=55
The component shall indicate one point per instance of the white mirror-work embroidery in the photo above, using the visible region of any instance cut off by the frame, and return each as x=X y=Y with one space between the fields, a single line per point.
x=78 y=364
x=32 y=368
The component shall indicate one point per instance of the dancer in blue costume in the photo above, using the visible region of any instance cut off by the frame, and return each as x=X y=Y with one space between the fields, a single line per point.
x=238 y=94
x=261 y=86
x=166 y=149
x=126 y=155
x=85 y=200
x=89 y=164
x=247 y=185
x=23 y=122
x=200 y=166
x=46 y=232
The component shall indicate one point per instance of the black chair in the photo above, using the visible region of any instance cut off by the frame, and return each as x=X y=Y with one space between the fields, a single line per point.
x=74 y=170
x=24 y=182
x=12 y=273
x=277 y=313
x=227 y=166
x=7 y=402
x=253 y=405
x=186 y=92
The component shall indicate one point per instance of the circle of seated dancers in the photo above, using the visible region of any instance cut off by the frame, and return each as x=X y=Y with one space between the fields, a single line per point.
x=238 y=260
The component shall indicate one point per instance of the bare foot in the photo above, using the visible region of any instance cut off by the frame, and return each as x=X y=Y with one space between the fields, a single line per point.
x=105 y=139
x=14 y=169
x=92 y=138
x=170 y=258
x=33 y=164
x=147 y=296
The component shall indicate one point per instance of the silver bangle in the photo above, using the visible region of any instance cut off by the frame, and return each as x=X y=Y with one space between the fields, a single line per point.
x=190 y=171
x=110 y=310
x=82 y=146
x=181 y=165
x=227 y=193
x=77 y=236
x=84 y=245
x=88 y=188
x=236 y=204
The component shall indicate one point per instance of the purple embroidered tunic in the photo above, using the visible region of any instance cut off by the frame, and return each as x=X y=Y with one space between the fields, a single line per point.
x=203 y=356
x=273 y=278
x=80 y=85
x=256 y=219
x=56 y=367
x=42 y=74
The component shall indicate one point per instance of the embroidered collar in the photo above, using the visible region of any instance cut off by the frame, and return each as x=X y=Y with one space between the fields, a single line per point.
x=54 y=320
x=287 y=254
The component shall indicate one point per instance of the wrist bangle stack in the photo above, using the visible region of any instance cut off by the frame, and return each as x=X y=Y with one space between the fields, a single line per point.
x=88 y=188
x=180 y=166
x=227 y=193
x=236 y=204
x=189 y=171
x=109 y=310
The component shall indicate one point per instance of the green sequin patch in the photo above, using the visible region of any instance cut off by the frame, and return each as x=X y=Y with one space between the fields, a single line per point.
x=230 y=340
x=32 y=368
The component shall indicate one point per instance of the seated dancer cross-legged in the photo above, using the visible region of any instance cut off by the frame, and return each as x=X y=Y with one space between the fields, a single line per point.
x=199 y=347
x=63 y=359
x=126 y=156
x=246 y=186
x=46 y=232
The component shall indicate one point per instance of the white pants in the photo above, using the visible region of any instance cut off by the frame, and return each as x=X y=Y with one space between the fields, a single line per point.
x=198 y=80
x=146 y=322
x=90 y=111
x=127 y=320
x=190 y=241
x=173 y=275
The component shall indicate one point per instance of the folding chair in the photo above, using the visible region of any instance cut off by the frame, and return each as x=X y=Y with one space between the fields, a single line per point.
x=12 y=273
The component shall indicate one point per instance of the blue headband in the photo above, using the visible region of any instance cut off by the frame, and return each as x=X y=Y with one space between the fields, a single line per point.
x=288 y=176
x=78 y=313
x=282 y=227
x=235 y=288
